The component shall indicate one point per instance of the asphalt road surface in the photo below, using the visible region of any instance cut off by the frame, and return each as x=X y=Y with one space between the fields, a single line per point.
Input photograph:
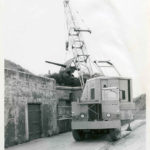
x=135 y=141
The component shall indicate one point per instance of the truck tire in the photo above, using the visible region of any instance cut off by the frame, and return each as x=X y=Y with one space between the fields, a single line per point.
x=115 y=134
x=78 y=135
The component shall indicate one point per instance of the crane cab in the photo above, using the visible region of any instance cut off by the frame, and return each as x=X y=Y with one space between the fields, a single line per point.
x=104 y=104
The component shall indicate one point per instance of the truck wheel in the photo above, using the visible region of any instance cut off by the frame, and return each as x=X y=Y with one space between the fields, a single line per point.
x=78 y=135
x=115 y=134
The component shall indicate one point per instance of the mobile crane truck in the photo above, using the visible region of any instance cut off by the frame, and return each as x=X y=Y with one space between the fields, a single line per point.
x=106 y=101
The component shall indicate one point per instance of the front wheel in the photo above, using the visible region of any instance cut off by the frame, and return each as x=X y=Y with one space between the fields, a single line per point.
x=78 y=135
x=115 y=134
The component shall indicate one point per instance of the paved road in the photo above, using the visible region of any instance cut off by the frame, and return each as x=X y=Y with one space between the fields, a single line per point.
x=134 y=141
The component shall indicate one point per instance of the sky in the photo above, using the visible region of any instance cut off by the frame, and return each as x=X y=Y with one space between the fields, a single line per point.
x=35 y=31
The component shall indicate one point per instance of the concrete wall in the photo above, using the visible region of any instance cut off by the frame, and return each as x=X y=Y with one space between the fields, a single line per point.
x=21 y=89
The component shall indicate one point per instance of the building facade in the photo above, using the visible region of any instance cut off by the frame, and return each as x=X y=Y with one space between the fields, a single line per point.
x=35 y=107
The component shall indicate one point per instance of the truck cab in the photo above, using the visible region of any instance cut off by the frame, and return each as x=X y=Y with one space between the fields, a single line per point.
x=105 y=103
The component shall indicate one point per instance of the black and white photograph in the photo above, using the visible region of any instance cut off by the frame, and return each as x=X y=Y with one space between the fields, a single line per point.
x=75 y=74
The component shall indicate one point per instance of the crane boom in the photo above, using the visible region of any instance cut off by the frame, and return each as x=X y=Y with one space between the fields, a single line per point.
x=77 y=45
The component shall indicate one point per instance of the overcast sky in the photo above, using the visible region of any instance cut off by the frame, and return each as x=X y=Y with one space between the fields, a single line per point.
x=35 y=31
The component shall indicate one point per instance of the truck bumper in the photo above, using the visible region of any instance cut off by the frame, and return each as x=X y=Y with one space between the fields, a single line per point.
x=96 y=124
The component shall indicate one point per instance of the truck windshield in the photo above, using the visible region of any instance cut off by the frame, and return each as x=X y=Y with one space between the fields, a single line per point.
x=110 y=94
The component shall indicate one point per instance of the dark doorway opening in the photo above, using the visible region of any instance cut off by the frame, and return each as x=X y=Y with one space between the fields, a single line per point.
x=34 y=116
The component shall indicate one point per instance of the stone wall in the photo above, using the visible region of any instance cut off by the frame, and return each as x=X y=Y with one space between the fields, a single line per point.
x=21 y=89
x=66 y=95
x=72 y=93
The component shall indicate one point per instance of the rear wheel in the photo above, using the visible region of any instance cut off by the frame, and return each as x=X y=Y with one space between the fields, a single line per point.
x=78 y=135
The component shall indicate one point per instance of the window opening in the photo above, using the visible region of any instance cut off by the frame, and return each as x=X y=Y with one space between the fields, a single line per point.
x=92 y=93
x=123 y=95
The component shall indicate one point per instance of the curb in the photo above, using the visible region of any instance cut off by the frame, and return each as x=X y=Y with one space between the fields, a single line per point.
x=134 y=125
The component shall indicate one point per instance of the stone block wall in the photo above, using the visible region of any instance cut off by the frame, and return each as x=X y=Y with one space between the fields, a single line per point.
x=21 y=89
x=66 y=95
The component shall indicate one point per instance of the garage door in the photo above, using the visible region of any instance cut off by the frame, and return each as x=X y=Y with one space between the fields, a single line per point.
x=34 y=115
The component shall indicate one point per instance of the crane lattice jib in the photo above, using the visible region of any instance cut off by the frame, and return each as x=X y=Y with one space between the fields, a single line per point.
x=77 y=45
